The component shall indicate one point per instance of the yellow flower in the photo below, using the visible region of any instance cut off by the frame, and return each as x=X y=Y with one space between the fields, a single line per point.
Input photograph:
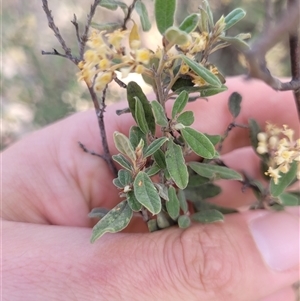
x=95 y=40
x=139 y=69
x=115 y=38
x=184 y=68
x=143 y=56
x=90 y=57
x=288 y=132
x=104 y=64
x=199 y=81
x=102 y=80
x=273 y=173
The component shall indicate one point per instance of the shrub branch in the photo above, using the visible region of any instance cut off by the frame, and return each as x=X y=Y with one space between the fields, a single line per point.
x=68 y=54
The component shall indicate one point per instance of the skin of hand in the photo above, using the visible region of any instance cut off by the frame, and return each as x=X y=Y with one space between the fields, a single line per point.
x=49 y=185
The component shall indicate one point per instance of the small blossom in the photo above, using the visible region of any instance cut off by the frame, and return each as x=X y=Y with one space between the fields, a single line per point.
x=115 y=38
x=184 y=68
x=262 y=148
x=139 y=69
x=288 y=132
x=104 y=64
x=262 y=137
x=273 y=141
x=143 y=56
x=199 y=81
x=273 y=173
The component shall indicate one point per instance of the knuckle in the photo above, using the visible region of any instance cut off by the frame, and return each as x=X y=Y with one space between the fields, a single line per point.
x=209 y=262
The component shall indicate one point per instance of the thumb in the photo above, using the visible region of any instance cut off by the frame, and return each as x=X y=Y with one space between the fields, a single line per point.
x=247 y=257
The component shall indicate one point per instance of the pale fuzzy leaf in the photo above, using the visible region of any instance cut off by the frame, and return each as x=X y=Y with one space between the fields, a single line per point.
x=176 y=165
x=145 y=192
x=214 y=171
x=198 y=142
x=200 y=70
x=114 y=221
x=173 y=205
x=164 y=11
x=207 y=216
x=180 y=103
x=124 y=146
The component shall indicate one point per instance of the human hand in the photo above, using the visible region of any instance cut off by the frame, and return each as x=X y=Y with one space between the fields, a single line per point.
x=50 y=185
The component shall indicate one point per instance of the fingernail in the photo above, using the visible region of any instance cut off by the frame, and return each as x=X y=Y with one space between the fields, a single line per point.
x=276 y=235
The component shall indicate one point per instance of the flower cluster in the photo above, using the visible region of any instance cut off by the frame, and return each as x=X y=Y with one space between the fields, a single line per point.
x=107 y=55
x=282 y=149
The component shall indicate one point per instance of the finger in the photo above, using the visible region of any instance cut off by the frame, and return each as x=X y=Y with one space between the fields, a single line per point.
x=234 y=194
x=286 y=294
x=247 y=258
x=259 y=101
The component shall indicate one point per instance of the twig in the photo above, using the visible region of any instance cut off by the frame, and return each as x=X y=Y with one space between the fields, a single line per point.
x=269 y=37
x=75 y=23
x=129 y=12
x=54 y=52
x=89 y=151
x=51 y=24
x=82 y=42
x=84 y=37
x=294 y=40
x=231 y=126
x=100 y=117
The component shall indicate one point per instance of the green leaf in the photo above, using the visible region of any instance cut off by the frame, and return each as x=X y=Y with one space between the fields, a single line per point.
x=159 y=158
x=204 y=91
x=152 y=225
x=234 y=104
x=202 y=192
x=154 y=146
x=163 y=221
x=214 y=171
x=113 y=5
x=109 y=26
x=120 y=159
x=196 y=180
x=153 y=170
x=186 y=118
x=233 y=17
x=117 y=183
x=124 y=177
x=159 y=113
x=134 y=90
x=143 y=13
x=285 y=180
x=207 y=216
x=98 y=212
x=176 y=165
x=289 y=199
x=184 y=221
x=204 y=205
x=164 y=11
x=140 y=116
x=176 y=36
x=162 y=190
x=180 y=103
x=146 y=193
x=135 y=136
x=124 y=146
x=198 y=142
x=254 y=130
x=209 y=13
x=133 y=202
x=214 y=139
x=190 y=23
x=173 y=205
x=114 y=221
x=236 y=42
x=182 y=201
x=200 y=70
